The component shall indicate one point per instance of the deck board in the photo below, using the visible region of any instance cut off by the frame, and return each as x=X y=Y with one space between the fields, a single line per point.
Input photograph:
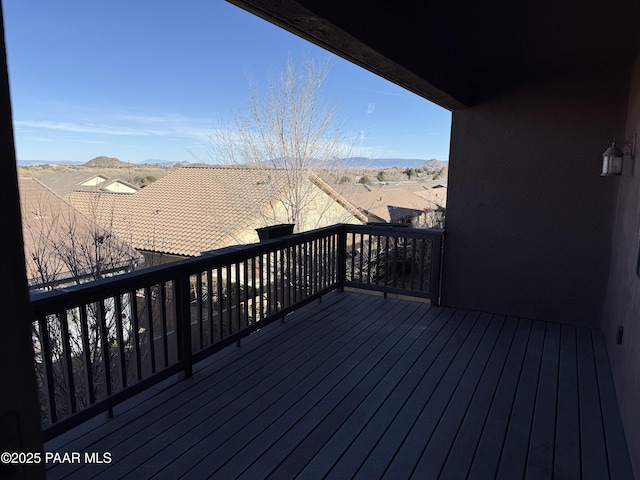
x=360 y=386
x=567 y=443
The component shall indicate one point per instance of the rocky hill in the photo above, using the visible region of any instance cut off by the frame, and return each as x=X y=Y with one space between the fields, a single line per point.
x=105 y=162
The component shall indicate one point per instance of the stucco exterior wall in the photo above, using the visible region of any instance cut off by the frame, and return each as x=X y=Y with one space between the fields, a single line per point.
x=529 y=217
x=622 y=305
x=320 y=210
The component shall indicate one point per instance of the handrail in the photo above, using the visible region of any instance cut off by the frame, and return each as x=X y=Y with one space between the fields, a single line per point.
x=99 y=343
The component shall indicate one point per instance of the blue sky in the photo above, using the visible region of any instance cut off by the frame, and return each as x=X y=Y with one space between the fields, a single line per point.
x=142 y=80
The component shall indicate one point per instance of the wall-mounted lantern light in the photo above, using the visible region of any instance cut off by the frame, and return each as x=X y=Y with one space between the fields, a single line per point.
x=612 y=158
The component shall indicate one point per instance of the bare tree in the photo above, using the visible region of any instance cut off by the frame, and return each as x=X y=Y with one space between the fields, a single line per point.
x=296 y=139
x=64 y=247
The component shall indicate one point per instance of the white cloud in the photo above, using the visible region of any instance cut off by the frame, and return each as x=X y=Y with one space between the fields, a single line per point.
x=127 y=125
x=371 y=108
x=89 y=128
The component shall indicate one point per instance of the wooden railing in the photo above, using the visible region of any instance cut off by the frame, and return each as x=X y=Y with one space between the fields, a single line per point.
x=100 y=343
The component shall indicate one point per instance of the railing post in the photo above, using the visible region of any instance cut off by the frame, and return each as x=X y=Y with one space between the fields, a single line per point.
x=342 y=257
x=183 y=320
x=436 y=268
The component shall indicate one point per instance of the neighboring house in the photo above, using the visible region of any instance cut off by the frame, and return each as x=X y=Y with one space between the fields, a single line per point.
x=63 y=183
x=394 y=204
x=62 y=245
x=198 y=209
x=435 y=192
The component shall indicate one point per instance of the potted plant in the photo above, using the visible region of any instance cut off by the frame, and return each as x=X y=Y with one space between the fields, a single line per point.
x=275 y=231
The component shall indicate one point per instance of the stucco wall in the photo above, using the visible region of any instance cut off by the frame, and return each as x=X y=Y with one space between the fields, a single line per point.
x=622 y=305
x=320 y=210
x=529 y=217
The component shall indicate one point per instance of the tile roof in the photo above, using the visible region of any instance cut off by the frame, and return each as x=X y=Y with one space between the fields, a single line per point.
x=196 y=209
x=47 y=223
x=388 y=204
x=63 y=183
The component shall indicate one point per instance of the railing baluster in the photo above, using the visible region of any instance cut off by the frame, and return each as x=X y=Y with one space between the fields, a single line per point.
x=403 y=272
x=377 y=266
x=120 y=339
x=316 y=265
x=282 y=279
x=229 y=299
x=104 y=342
x=238 y=300
x=331 y=259
x=369 y=240
x=220 y=302
x=352 y=275
x=307 y=273
x=182 y=325
x=67 y=360
x=396 y=243
x=269 y=286
x=261 y=273
x=136 y=333
x=287 y=276
x=423 y=242
x=436 y=255
x=253 y=290
x=245 y=274
x=162 y=309
x=199 y=307
x=150 y=337
x=295 y=272
x=310 y=266
x=47 y=358
x=86 y=351
x=386 y=260
x=210 y=305
x=413 y=262
x=342 y=258
x=326 y=261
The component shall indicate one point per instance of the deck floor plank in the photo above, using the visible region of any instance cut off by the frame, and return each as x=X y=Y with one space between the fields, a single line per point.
x=225 y=415
x=354 y=439
x=230 y=433
x=128 y=435
x=487 y=454
x=619 y=461
x=337 y=430
x=466 y=365
x=439 y=445
x=592 y=443
x=516 y=443
x=311 y=434
x=567 y=442
x=360 y=386
x=239 y=451
x=385 y=450
x=270 y=449
x=540 y=455
x=462 y=448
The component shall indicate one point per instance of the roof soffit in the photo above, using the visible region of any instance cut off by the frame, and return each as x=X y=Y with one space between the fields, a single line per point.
x=462 y=52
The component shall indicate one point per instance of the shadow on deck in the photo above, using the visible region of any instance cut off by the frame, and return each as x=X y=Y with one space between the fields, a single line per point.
x=364 y=387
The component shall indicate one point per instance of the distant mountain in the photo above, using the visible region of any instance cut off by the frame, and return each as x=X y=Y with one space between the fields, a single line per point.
x=383 y=163
x=434 y=164
x=33 y=163
x=351 y=162
x=166 y=163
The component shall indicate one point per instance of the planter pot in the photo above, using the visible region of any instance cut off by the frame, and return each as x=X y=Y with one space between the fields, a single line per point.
x=275 y=231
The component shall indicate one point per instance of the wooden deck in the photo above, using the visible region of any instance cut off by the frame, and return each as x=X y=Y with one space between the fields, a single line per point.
x=364 y=387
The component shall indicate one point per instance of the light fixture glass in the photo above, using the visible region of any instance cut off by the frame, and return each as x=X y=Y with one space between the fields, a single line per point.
x=612 y=161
